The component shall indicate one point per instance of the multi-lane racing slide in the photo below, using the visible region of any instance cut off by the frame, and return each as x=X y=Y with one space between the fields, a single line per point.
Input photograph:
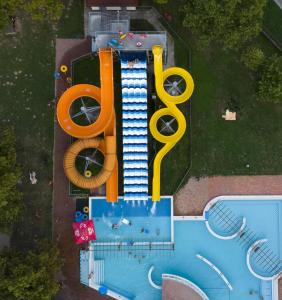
x=88 y=135
x=171 y=109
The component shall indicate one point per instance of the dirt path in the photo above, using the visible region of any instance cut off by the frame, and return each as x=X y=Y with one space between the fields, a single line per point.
x=63 y=205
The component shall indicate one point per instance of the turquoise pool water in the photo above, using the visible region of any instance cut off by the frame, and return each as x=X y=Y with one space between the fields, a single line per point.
x=147 y=224
x=128 y=275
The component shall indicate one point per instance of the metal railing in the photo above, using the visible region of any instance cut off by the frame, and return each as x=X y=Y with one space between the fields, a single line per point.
x=225 y=220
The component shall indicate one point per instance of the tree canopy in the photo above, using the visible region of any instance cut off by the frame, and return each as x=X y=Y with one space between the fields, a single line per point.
x=10 y=197
x=44 y=10
x=30 y=276
x=253 y=58
x=39 y=10
x=8 y=9
x=270 y=83
x=231 y=22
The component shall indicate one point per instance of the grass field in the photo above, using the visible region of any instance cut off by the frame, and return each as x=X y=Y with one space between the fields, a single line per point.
x=26 y=88
x=226 y=148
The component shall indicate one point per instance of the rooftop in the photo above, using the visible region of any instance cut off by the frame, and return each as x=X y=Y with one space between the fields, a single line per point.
x=90 y=3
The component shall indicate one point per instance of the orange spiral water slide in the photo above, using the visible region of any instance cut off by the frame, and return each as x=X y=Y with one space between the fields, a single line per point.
x=88 y=135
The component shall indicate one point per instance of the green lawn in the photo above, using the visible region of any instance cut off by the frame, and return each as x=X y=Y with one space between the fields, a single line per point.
x=220 y=147
x=26 y=88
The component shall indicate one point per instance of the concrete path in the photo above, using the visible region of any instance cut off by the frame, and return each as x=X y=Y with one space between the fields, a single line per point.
x=193 y=197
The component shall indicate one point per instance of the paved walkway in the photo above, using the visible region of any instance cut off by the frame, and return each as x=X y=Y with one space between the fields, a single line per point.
x=193 y=197
x=172 y=290
x=63 y=205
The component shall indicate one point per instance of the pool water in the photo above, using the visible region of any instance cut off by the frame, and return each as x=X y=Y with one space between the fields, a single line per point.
x=147 y=224
x=128 y=275
x=264 y=218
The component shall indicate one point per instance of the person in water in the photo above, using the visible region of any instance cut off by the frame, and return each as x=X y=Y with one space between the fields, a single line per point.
x=115 y=226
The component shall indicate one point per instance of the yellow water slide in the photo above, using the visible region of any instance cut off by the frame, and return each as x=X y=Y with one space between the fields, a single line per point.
x=88 y=135
x=171 y=109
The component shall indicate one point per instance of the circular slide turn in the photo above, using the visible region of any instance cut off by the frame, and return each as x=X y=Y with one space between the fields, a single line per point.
x=64 y=111
x=107 y=147
x=88 y=135
x=170 y=110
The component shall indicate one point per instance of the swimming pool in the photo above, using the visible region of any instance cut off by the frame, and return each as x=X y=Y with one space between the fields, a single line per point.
x=128 y=275
x=149 y=222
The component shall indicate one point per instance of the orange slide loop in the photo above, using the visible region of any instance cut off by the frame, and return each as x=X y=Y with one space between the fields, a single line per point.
x=88 y=135
x=106 y=147
x=64 y=117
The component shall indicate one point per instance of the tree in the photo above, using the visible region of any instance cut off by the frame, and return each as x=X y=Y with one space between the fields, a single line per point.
x=10 y=197
x=270 y=83
x=231 y=22
x=39 y=10
x=30 y=276
x=8 y=8
x=253 y=58
x=45 y=10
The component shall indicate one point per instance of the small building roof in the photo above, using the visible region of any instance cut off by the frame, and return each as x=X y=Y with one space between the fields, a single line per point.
x=90 y=3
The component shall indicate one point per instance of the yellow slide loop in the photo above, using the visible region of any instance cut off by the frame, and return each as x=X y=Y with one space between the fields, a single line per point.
x=170 y=110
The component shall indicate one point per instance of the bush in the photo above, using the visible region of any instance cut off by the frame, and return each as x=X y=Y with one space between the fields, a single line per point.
x=252 y=58
x=232 y=23
x=30 y=276
x=10 y=198
x=270 y=82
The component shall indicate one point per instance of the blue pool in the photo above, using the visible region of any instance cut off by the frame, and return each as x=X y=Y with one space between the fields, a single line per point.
x=147 y=224
x=128 y=274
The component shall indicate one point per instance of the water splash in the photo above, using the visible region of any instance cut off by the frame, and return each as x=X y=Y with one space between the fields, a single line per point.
x=139 y=202
x=144 y=202
x=133 y=203
x=154 y=208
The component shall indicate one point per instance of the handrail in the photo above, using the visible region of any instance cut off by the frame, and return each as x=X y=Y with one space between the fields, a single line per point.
x=248 y=261
x=211 y=265
x=186 y=282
